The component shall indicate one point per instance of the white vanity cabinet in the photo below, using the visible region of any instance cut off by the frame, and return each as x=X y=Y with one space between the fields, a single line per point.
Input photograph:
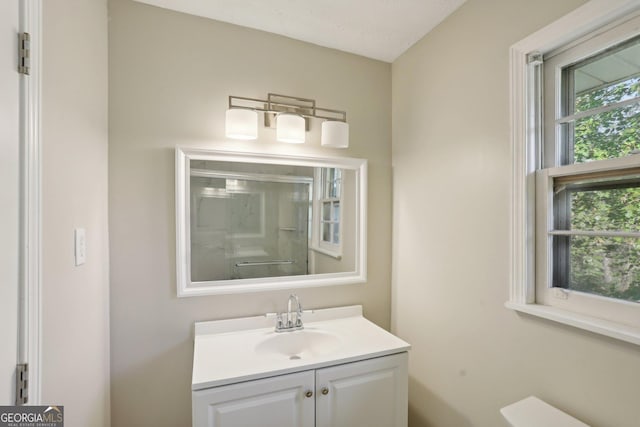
x=283 y=401
x=371 y=392
x=340 y=370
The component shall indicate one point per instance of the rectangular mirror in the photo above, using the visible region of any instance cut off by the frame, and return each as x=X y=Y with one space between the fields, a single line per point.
x=254 y=222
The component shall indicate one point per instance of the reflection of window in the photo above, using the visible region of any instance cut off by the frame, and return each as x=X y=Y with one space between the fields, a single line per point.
x=328 y=211
x=330 y=202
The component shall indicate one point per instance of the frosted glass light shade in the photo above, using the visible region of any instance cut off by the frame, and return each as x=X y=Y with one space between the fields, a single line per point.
x=290 y=128
x=335 y=134
x=241 y=124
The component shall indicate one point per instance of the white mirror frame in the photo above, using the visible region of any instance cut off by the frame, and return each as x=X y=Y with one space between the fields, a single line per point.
x=187 y=288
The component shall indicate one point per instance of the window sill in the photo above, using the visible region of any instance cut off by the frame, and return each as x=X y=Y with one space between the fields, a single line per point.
x=327 y=252
x=599 y=326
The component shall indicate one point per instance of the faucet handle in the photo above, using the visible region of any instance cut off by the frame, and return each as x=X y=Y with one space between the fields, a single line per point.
x=279 y=321
x=299 y=316
x=299 y=319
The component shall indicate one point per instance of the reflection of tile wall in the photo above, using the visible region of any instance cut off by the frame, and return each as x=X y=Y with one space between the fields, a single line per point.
x=293 y=208
x=267 y=221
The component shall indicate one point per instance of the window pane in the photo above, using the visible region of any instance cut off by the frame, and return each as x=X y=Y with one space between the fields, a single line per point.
x=326 y=232
x=330 y=174
x=605 y=205
x=336 y=211
x=326 y=211
x=336 y=233
x=607 y=78
x=598 y=263
x=607 y=95
x=331 y=180
x=326 y=181
x=338 y=182
x=607 y=135
x=606 y=266
x=334 y=190
x=604 y=80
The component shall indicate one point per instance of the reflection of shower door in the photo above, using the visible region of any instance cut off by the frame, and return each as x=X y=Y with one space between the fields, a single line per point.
x=268 y=228
x=248 y=226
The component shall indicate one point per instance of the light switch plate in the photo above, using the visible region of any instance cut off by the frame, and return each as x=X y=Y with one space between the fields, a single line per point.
x=80 y=246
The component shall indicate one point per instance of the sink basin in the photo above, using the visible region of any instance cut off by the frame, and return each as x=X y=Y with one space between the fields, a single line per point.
x=230 y=351
x=301 y=344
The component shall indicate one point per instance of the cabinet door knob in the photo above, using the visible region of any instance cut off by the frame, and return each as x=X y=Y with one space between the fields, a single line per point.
x=324 y=391
x=309 y=393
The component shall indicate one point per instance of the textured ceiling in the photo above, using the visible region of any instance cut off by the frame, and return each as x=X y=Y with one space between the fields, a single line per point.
x=379 y=29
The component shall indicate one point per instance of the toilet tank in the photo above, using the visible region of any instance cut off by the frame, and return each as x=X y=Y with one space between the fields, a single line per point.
x=533 y=412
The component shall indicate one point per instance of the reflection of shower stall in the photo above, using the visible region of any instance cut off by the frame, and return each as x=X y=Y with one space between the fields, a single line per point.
x=248 y=225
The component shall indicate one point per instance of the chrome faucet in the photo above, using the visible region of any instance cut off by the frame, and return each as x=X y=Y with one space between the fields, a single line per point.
x=289 y=324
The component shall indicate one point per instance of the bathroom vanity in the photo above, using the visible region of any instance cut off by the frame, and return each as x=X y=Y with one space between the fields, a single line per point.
x=340 y=370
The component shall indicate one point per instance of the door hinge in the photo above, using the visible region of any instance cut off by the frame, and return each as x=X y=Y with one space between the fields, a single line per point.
x=24 y=53
x=22 y=384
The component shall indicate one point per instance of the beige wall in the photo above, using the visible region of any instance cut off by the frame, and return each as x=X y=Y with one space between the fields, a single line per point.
x=170 y=76
x=451 y=183
x=75 y=300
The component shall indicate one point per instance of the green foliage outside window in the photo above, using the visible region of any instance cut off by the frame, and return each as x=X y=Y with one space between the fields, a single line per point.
x=607 y=266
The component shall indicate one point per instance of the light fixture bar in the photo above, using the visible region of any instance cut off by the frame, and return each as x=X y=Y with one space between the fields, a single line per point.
x=302 y=106
x=291 y=101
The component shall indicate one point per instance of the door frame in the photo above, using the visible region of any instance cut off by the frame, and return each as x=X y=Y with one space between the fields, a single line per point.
x=30 y=282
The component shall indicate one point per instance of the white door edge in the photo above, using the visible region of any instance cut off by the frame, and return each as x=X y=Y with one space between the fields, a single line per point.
x=30 y=327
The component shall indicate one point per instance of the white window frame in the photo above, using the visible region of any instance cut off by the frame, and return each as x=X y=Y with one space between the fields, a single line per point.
x=592 y=18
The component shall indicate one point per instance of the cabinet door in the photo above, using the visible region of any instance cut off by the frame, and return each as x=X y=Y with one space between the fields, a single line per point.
x=371 y=393
x=272 y=402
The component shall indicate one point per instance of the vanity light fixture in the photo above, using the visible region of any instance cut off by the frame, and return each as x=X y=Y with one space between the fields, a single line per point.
x=335 y=134
x=241 y=123
x=290 y=128
x=290 y=115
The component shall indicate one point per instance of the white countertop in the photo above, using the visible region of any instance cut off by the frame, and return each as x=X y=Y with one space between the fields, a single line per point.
x=225 y=350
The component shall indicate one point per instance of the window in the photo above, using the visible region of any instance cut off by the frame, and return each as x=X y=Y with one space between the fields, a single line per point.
x=588 y=174
x=328 y=204
x=577 y=173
